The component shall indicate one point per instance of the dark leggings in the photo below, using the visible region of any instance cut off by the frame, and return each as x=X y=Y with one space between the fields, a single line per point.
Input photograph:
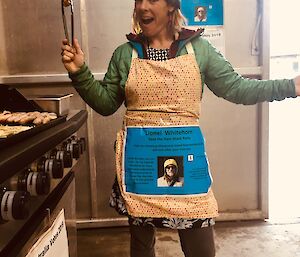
x=195 y=242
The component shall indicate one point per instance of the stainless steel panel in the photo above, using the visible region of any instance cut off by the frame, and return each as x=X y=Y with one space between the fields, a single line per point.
x=30 y=36
x=59 y=104
x=82 y=180
x=3 y=66
x=239 y=21
x=232 y=144
x=264 y=113
x=108 y=23
x=105 y=135
x=92 y=163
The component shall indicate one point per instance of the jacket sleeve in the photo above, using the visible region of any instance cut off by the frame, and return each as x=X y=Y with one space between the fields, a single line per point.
x=221 y=78
x=106 y=96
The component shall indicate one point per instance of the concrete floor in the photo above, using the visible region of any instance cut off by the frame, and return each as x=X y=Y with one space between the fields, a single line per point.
x=233 y=239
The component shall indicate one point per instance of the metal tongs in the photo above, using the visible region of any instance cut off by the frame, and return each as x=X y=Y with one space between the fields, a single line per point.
x=64 y=4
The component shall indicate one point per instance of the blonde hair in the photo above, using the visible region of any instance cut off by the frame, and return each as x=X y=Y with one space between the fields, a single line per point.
x=177 y=20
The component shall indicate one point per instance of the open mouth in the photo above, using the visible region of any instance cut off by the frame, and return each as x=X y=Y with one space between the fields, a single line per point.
x=147 y=21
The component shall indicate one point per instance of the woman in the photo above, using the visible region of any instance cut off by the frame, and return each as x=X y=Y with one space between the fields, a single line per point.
x=159 y=74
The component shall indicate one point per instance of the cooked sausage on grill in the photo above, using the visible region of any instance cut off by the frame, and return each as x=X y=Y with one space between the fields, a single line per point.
x=23 y=118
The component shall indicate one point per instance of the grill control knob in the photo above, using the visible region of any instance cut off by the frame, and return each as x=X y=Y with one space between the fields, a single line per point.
x=76 y=150
x=63 y=155
x=36 y=183
x=83 y=143
x=13 y=205
x=73 y=147
x=52 y=166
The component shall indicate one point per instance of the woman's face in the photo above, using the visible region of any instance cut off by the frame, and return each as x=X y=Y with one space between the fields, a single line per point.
x=153 y=16
x=171 y=170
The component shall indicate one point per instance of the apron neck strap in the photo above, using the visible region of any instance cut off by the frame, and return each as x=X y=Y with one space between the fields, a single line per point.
x=134 y=54
x=189 y=48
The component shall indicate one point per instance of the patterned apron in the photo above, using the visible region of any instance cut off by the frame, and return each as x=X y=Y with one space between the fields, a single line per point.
x=161 y=125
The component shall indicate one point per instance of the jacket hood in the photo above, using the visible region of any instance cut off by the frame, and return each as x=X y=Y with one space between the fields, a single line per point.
x=185 y=36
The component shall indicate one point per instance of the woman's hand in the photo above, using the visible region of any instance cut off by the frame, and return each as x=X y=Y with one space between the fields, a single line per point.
x=72 y=57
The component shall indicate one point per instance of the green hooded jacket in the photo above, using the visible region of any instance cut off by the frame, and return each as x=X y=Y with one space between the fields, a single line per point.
x=106 y=96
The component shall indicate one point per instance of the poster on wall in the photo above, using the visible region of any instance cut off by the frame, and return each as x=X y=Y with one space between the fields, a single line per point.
x=215 y=35
x=203 y=12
